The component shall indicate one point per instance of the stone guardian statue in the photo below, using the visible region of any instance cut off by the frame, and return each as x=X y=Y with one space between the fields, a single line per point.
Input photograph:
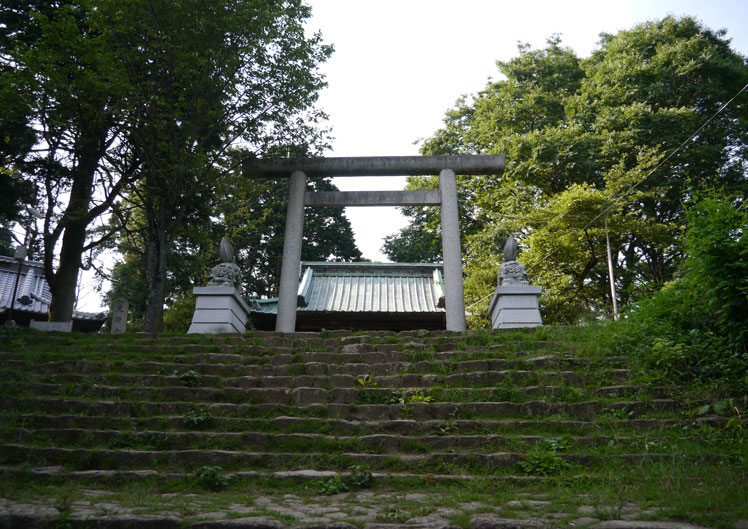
x=227 y=272
x=515 y=302
x=511 y=272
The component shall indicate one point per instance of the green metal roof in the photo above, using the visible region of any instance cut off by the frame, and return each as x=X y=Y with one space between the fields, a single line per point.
x=366 y=288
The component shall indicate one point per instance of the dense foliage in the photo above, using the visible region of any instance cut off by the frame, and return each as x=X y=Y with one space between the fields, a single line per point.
x=696 y=327
x=252 y=214
x=589 y=141
x=131 y=108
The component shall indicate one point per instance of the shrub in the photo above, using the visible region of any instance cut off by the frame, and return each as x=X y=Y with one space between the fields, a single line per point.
x=696 y=327
x=196 y=418
x=212 y=478
x=191 y=378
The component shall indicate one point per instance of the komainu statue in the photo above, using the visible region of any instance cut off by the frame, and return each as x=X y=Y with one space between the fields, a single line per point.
x=227 y=273
x=511 y=272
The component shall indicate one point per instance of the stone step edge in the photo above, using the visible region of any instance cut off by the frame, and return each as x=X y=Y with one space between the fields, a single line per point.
x=300 y=475
x=289 y=359
x=50 y=519
x=92 y=366
x=25 y=434
x=467 y=379
x=505 y=459
x=421 y=410
x=351 y=425
x=379 y=443
x=306 y=395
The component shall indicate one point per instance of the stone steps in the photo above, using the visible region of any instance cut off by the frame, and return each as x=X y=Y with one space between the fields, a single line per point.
x=410 y=427
x=405 y=380
x=366 y=412
x=288 y=413
x=234 y=460
x=380 y=443
x=248 y=366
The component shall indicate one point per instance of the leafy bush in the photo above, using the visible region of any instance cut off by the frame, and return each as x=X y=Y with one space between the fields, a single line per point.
x=333 y=485
x=360 y=477
x=543 y=464
x=191 y=378
x=212 y=478
x=696 y=327
x=367 y=381
x=195 y=418
x=402 y=396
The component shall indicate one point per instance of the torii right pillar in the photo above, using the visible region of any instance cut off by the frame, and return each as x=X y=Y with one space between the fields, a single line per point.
x=454 y=296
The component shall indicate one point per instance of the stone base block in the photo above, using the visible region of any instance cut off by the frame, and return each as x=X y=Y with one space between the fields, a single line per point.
x=219 y=310
x=515 y=307
x=52 y=326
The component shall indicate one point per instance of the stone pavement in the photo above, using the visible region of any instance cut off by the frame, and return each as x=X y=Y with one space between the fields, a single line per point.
x=367 y=509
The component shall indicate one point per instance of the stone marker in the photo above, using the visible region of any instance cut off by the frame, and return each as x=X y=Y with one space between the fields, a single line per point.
x=515 y=302
x=219 y=307
x=119 y=316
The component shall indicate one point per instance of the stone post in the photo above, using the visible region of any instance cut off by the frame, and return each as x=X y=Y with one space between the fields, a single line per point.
x=454 y=295
x=289 y=281
x=119 y=316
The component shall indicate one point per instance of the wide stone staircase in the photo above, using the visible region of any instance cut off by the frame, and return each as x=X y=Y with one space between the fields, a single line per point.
x=378 y=429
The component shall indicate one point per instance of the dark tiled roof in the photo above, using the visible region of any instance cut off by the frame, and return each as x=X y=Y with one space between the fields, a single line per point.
x=33 y=294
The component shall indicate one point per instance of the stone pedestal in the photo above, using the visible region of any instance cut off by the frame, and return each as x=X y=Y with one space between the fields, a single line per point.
x=515 y=306
x=219 y=309
x=52 y=326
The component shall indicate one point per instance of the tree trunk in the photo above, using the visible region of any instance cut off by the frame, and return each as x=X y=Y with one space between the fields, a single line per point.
x=156 y=253
x=66 y=276
x=75 y=220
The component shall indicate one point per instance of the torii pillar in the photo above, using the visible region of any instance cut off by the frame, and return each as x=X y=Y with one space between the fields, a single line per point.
x=447 y=167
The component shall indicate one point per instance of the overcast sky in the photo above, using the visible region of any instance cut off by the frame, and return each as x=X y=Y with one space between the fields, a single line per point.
x=400 y=64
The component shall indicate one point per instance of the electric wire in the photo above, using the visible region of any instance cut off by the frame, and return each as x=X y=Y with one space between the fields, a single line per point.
x=616 y=201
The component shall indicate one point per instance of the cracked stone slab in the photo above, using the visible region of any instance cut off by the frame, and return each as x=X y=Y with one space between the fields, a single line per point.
x=333 y=525
x=643 y=524
x=238 y=523
x=494 y=522
x=36 y=521
x=527 y=503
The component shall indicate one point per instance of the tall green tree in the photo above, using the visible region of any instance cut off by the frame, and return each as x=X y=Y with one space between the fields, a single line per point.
x=251 y=213
x=66 y=94
x=584 y=137
x=209 y=74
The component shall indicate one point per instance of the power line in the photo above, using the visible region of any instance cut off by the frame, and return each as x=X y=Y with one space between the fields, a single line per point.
x=660 y=164
x=633 y=187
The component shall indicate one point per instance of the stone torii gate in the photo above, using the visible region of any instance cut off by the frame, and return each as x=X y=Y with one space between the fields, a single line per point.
x=298 y=169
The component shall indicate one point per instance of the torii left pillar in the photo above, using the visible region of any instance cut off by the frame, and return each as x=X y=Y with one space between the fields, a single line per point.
x=289 y=280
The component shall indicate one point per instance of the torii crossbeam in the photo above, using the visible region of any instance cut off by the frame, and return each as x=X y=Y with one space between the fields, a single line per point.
x=298 y=169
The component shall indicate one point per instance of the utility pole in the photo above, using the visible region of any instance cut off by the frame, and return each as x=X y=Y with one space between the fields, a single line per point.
x=610 y=272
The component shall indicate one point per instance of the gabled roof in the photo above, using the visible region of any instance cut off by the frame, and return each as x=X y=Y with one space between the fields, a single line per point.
x=347 y=295
x=33 y=296
x=371 y=287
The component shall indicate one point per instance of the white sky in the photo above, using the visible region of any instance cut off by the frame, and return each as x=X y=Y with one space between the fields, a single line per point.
x=400 y=64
